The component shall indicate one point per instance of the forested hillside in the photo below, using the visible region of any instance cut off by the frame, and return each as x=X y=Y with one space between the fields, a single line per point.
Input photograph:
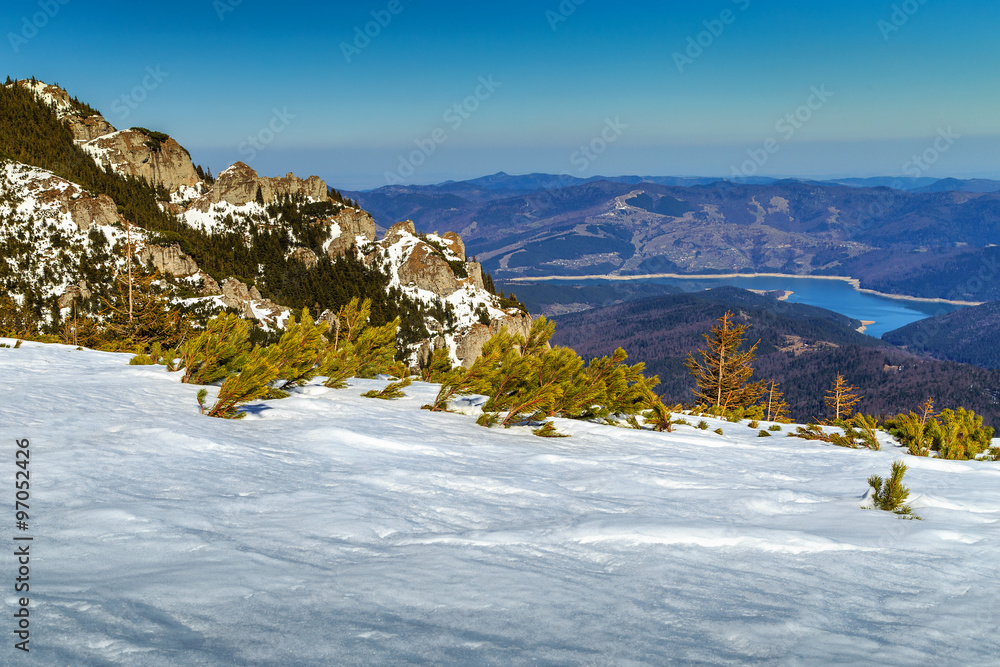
x=970 y=335
x=801 y=347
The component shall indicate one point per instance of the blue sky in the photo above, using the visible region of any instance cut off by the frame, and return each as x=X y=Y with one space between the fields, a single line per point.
x=664 y=88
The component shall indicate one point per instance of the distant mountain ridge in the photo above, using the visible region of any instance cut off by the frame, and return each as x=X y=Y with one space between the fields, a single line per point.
x=803 y=347
x=889 y=239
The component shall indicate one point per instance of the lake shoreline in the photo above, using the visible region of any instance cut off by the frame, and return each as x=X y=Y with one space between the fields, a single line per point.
x=854 y=282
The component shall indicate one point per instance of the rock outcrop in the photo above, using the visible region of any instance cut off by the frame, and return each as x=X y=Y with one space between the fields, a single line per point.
x=72 y=293
x=88 y=128
x=56 y=194
x=250 y=303
x=169 y=260
x=470 y=344
x=240 y=184
x=426 y=269
x=351 y=223
x=134 y=153
x=306 y=256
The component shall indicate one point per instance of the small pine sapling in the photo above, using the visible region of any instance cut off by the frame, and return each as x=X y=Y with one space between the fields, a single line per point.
x=841 y=399
x=703 y=425
x=763 y=434
x=718 y=431
x=391 y=390
x=548 y=430
x=660 y=417
x=774 y=427
x=890 y=495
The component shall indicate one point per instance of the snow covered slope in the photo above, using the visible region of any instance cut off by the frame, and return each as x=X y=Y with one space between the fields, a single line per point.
x=332 y=529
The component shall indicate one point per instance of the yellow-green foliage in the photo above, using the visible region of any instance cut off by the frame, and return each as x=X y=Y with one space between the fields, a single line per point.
x=301 y=350
x=547 y=430
x=252 y=383
x=953 y=434
x=859 y=431
x=391 y=390
x=660 y=417
x=217 y=352
x=890 y=495
x=360 y=350
x=526 y=379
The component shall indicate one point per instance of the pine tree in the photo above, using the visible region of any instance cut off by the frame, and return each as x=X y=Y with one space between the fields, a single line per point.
x=890 y=495
x=138 y=313
x=252 y=382
x=723 y=373
x=390 y=391
x=841 y=399
x=301 y=350
x=775 y=407
x=217 y=352
x=660 y=417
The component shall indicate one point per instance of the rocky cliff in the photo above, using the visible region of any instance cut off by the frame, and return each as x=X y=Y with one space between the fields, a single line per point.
x=63 y=245
x=133 y=153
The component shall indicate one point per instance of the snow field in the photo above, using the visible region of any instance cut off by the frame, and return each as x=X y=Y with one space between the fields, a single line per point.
x=327 y=528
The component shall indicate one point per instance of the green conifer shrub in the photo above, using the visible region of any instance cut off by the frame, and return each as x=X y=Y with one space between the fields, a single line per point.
x=890 y=495
x=251 y=383
x=763 y=434
x=391 y=391
x=217 y=352
x=548 y=430
x=299 y=352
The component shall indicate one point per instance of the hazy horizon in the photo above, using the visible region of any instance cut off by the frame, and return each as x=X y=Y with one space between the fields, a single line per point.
x=365 y=94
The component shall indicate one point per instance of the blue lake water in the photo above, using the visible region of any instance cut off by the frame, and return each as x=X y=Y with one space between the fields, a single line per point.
x=836 y=295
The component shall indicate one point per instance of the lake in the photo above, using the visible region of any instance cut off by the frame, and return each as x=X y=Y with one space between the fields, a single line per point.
x=836 y=295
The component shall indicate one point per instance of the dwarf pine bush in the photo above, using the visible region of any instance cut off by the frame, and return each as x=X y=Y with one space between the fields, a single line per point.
x=889 y=494
x=217 y=352
x=251 y=383
x=391 y=390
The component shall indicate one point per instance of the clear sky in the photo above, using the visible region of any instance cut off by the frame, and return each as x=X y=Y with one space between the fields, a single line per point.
x=652 y=88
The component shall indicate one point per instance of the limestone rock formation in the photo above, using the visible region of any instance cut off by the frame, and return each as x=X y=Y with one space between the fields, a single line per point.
x=72 y=293
x=250 y=303
x=240 y=184
x=306 y=256
x=88 y=128
x=169 y=260
x=87 y=210
x=133 y=153
x=398 y=231
x=351 y=224
x=454 y=243
x=56 y=194
x=475 y=271
x=470 y=345
x=426 y=269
